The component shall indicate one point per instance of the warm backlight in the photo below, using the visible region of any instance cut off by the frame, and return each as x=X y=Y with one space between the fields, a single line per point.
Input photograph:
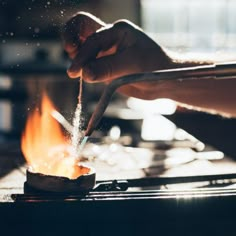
x=46 y=148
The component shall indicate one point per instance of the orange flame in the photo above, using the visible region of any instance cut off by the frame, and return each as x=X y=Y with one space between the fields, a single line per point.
x=45 y=147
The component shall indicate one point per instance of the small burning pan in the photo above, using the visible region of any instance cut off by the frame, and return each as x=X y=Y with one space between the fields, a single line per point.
x=59 y=184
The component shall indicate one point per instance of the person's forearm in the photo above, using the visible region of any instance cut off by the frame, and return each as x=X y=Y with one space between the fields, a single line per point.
x=215 y=96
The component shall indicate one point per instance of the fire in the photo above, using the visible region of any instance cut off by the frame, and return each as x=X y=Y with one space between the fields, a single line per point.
x=45 y=147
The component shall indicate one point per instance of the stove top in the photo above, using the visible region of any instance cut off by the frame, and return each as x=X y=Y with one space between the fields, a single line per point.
x=195 y=197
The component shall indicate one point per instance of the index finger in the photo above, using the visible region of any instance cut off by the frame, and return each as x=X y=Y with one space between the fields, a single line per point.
x=99 y=42
x=78 y=28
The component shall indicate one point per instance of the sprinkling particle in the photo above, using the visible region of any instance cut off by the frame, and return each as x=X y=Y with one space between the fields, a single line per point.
x=36 y=30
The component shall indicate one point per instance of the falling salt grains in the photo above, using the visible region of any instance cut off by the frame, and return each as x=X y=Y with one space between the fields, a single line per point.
x=76 y=131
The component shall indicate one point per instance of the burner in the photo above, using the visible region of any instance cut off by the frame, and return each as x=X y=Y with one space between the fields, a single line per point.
x=58 y=184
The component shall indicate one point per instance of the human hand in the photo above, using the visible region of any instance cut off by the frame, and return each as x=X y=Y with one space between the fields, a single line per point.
x=102 y=53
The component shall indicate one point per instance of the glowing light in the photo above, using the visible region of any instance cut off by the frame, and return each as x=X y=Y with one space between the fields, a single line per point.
x=162 y=106
x=157 y=127
x=115 y=133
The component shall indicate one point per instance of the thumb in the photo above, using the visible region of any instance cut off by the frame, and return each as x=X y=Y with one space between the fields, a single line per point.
x=78 y=28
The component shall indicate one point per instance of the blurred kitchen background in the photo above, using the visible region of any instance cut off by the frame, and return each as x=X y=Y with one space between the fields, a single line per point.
x=32 y=58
